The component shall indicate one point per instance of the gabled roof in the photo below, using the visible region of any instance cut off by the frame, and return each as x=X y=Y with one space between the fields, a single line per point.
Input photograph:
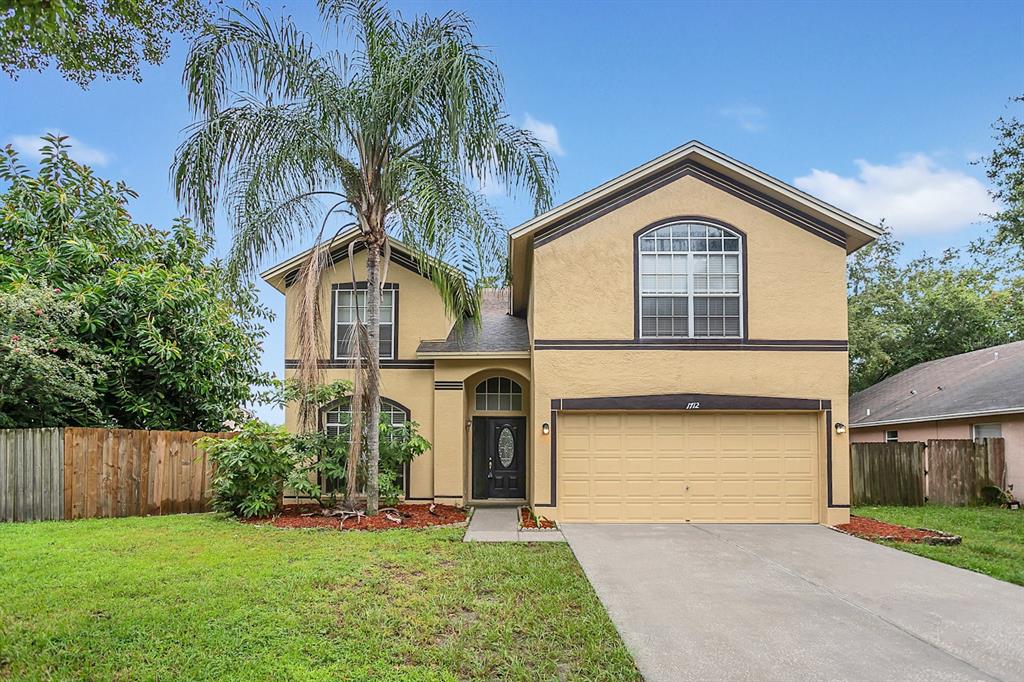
x=281 y=276
x=696 y=159
x=499 y=333
x=979 y=383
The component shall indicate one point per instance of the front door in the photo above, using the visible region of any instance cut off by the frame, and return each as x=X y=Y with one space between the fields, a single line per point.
x=499 y=457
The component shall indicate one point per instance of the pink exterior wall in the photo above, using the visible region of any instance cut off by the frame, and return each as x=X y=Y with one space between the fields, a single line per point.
x=1013 y=434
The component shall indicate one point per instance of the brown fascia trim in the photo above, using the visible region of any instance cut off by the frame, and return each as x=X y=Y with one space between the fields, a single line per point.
x=715 y=179
x=327 y=363
x=448 y=385
x=736 y=344
x=341 y=253
x=692 y=402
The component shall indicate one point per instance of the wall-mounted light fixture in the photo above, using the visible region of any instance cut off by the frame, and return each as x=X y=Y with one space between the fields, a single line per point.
x=545 y=428
x=840 y=428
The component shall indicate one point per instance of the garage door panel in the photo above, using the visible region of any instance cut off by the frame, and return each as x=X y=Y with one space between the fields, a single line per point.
x=639 y=464
x=575 y=466
x=671 y=464
x=706 y=467
x=703 y=465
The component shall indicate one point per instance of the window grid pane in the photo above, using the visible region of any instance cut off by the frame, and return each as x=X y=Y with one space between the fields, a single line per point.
x=689 y=281
x=338 y=419
x=345 y=318
x=499 y=394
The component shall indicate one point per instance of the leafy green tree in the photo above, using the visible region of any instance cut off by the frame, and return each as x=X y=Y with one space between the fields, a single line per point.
x=395 y=135
x=1005 y=169
x=181 y=339
x=88 y=38
x=48 y=377
x=928 y=308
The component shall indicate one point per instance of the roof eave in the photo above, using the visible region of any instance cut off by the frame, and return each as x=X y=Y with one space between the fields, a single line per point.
x=939 y=417
x=859 y=231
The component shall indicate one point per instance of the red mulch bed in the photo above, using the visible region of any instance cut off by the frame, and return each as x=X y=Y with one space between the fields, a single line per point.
x=526 y=520
x=872 y=529
x=413 y=516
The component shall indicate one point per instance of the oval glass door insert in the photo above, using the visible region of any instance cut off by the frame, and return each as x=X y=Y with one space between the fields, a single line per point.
x=506 y=446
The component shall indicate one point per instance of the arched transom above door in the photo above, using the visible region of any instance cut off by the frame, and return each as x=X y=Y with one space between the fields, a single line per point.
x=499 y=394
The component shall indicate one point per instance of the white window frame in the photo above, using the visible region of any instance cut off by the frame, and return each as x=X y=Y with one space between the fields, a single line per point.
x=386 y=406
x=691 y=295
x=974 y=430
x=895 y=437
x=507 y=394
x=338 y=337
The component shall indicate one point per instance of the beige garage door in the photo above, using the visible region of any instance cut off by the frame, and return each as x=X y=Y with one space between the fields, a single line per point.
x=735 y=467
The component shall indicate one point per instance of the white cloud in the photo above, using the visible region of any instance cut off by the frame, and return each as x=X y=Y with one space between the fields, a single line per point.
x=28 y=146
x=491 y=187
x=750 y=118
x=547 y=133
x=914 y=196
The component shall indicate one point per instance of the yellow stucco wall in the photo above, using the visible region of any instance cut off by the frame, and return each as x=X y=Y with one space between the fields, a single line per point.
x=583 y=289
x=582 y=285
x=421 y=314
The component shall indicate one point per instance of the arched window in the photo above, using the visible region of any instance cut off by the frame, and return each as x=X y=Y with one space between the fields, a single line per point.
x=690 y=281
x=337 y=417
x=499 y=394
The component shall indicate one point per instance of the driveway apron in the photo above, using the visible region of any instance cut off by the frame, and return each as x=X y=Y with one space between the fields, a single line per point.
x=768 y=602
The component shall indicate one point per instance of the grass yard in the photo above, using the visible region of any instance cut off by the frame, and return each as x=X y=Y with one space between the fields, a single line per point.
x=993 y=538
x=202 y=597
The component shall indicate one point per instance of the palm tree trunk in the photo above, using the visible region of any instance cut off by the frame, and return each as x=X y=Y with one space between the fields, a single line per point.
x=372 y=388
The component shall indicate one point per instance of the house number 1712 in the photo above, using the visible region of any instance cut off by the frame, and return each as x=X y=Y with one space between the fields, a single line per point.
x=693 y=406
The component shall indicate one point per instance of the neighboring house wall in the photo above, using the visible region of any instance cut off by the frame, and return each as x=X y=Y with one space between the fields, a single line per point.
x=1012 y=429
x=583 y=289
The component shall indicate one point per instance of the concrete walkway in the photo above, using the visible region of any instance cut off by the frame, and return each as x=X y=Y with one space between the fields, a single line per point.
x=743 y=602
x=501 y=524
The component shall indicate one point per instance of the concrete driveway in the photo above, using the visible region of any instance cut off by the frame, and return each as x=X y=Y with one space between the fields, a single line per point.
x=744 y=602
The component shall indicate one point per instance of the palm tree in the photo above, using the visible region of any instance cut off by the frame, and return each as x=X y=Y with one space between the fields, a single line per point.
x=396 y=136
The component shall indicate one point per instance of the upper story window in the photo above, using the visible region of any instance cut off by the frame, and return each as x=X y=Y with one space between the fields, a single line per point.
x=345 y=301
x=690 y=281
x=499 y=394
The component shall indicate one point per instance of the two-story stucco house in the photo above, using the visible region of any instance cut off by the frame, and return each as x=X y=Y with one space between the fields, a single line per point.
x=672 y=347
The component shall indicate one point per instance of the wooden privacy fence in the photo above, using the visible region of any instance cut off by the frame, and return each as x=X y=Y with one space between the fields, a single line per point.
x=80 y=473
x=959 y=469
x=888 y=473
x=952 y=472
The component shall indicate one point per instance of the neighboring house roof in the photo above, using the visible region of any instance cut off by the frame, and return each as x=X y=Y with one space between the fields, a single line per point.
x=709 y=165
x=499 y=332
x=983 y=382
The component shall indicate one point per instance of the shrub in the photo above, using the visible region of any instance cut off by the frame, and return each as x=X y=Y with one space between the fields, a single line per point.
x=47 y=376
x=180 y=336
x=252 y=469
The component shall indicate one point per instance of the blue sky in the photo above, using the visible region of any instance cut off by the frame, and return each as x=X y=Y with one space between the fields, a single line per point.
x=877 y=107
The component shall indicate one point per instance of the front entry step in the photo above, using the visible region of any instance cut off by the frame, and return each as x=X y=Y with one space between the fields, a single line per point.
x=501 y=524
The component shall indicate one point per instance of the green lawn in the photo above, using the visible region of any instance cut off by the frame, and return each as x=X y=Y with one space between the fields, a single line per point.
x=993 y=538
x=202 y=597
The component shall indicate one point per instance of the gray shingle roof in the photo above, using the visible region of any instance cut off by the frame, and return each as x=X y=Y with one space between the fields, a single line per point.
x=499 y=332
x=981 y=382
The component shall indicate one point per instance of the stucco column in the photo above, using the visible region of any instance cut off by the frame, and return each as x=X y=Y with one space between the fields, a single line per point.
x=449 y=433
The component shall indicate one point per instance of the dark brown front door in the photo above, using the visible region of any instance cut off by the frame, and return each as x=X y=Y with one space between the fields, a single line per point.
x=499 y=457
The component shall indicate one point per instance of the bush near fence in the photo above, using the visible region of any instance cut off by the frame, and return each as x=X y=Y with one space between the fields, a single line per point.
x=951 y=472
x=81 y=473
